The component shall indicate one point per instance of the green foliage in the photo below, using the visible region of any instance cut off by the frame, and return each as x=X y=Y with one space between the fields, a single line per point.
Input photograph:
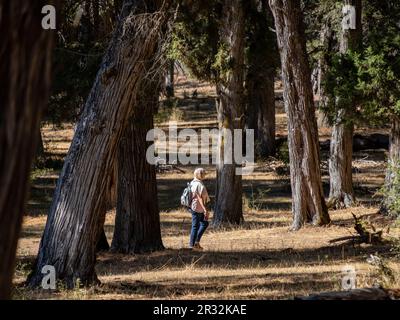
x=195 y=39
x=283 y=153
x=391 y=191
x=77 y=56
x=341 y=87
x=76 y=65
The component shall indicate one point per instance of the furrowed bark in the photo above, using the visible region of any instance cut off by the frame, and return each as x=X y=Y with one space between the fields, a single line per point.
x=77 y=213
x=137 y=221
x=25 y=65
x=308 y=203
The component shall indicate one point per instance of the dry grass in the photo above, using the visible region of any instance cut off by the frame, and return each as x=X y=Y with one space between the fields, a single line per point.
x=261 y=259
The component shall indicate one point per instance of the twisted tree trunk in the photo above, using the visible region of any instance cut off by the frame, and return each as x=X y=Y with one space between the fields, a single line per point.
x=308 y=203
x=25 y=64
x=230 y=110
x=137 y=221
x=77 y=214
x=341 y=193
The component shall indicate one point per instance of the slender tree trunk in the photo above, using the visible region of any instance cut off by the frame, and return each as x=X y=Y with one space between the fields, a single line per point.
x=323 y=66
x=392 y=180
x=137 y=221
x=77 y=212
x=308 y=202
x=341 y=193
x=25 y=64
x=169 y=79
x=40 y=145
x=230 y=110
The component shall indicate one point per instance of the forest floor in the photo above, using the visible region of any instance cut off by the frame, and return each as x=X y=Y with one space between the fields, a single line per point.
x=261 y=259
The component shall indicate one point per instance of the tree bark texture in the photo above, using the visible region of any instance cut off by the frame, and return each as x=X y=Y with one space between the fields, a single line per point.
x=308 y=202
x=137 y=221
x=25 y=65
x=341 y=193
x=230 y=110
x=77 y=214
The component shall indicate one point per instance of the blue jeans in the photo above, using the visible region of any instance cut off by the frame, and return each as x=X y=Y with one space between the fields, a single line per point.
x=199 y=225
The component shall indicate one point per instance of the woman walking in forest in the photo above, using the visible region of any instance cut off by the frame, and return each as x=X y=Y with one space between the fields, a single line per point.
x=198 y=208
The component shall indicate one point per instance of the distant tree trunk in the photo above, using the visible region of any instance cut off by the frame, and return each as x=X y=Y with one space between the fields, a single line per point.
x=137 y=221
x=102 y=243
x=77 y=212
x=169 y=79
x=230 y=110
x=40 y=145
x=261 y=111
x=341 y=193
x=308 y=202
x=25 y=65
x=392 y=180
x=260 y=78
x=323 y=66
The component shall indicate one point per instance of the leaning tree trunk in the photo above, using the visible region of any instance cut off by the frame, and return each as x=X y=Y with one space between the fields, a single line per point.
x=228 y=197
x=308 y=203
x=341 y=193
x=77 y=212
x=25 y=64
x=137 y=221
x=392 y=180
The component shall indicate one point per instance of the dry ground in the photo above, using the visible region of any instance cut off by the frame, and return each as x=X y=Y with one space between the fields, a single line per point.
x=262 y=259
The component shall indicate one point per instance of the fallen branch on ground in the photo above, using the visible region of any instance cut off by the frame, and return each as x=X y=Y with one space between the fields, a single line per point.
x=364 y=236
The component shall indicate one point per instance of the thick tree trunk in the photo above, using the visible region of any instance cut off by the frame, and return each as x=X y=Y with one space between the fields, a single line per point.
x=392 y=180
x=308 y=202
x=25 y=64
x=230 y=110
x=77 y=212
x=341 y=193
x=137 y=221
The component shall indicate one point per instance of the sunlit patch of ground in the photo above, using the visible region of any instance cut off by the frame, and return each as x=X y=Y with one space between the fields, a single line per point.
x=261 y=259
